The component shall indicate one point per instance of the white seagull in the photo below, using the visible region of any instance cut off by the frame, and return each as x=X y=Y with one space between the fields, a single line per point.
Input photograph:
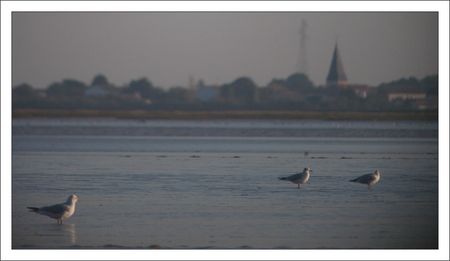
x=59 y=212
x=369 y=179
x=299 y=178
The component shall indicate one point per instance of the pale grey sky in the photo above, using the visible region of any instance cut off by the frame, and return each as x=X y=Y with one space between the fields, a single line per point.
x=167 y=48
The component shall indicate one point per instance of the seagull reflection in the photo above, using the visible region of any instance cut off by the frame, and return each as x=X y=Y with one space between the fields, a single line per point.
x=70 y=232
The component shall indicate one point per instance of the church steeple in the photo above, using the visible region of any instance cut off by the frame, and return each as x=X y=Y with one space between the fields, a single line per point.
x=336 y=74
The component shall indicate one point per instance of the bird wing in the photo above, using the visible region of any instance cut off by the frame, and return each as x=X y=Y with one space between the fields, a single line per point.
x=366 y=178
x=295 y=176
x=57 y=209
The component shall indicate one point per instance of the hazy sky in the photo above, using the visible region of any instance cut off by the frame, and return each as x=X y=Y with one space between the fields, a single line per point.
x=167 y=48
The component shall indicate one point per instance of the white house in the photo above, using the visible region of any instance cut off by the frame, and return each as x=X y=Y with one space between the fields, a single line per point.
x=406 y=96
x=96 y=91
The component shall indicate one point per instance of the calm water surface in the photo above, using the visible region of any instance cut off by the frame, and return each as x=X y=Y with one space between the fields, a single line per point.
x=213 y=184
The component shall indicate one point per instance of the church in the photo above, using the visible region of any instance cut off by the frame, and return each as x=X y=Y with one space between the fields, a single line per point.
x=337 y=77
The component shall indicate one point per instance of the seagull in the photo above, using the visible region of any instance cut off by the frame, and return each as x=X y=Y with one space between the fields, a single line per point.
x=59 y=211
x=299 y=178
x=369 y=179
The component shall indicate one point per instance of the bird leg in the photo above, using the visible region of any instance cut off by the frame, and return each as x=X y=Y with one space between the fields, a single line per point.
x=298 y=185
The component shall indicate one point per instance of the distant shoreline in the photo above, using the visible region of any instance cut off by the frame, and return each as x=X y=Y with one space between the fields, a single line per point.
x=214 y=115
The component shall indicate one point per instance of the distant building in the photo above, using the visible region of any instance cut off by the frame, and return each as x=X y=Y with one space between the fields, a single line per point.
x=41 y=93
x=338 y=78
x=96 y=91
x=100 y=87
x=406 y=96
x=207 y=93
x=361 y=90
x=414 y=96
x=336 y=75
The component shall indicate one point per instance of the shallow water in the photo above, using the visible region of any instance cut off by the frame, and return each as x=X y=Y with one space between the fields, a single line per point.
x=213 y=184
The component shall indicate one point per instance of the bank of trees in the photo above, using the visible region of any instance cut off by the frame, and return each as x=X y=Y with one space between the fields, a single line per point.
x=296 y=92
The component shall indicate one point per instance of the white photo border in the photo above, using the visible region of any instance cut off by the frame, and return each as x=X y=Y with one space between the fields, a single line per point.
x=7 y=8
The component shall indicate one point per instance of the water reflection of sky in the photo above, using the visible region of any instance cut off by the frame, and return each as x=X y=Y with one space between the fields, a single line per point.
x=206 y=191
x=225 y=128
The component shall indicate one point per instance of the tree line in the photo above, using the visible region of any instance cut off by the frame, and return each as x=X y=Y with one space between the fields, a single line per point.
x=296 y=92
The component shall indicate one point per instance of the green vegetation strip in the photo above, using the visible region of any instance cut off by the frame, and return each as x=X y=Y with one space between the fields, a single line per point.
x=205 y=115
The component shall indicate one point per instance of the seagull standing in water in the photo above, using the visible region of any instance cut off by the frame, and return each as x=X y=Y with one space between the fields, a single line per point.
x=299 y=178
x=369 y=179
x=59 y=212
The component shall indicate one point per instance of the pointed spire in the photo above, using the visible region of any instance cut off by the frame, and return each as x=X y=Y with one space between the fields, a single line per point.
x=336 y=74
